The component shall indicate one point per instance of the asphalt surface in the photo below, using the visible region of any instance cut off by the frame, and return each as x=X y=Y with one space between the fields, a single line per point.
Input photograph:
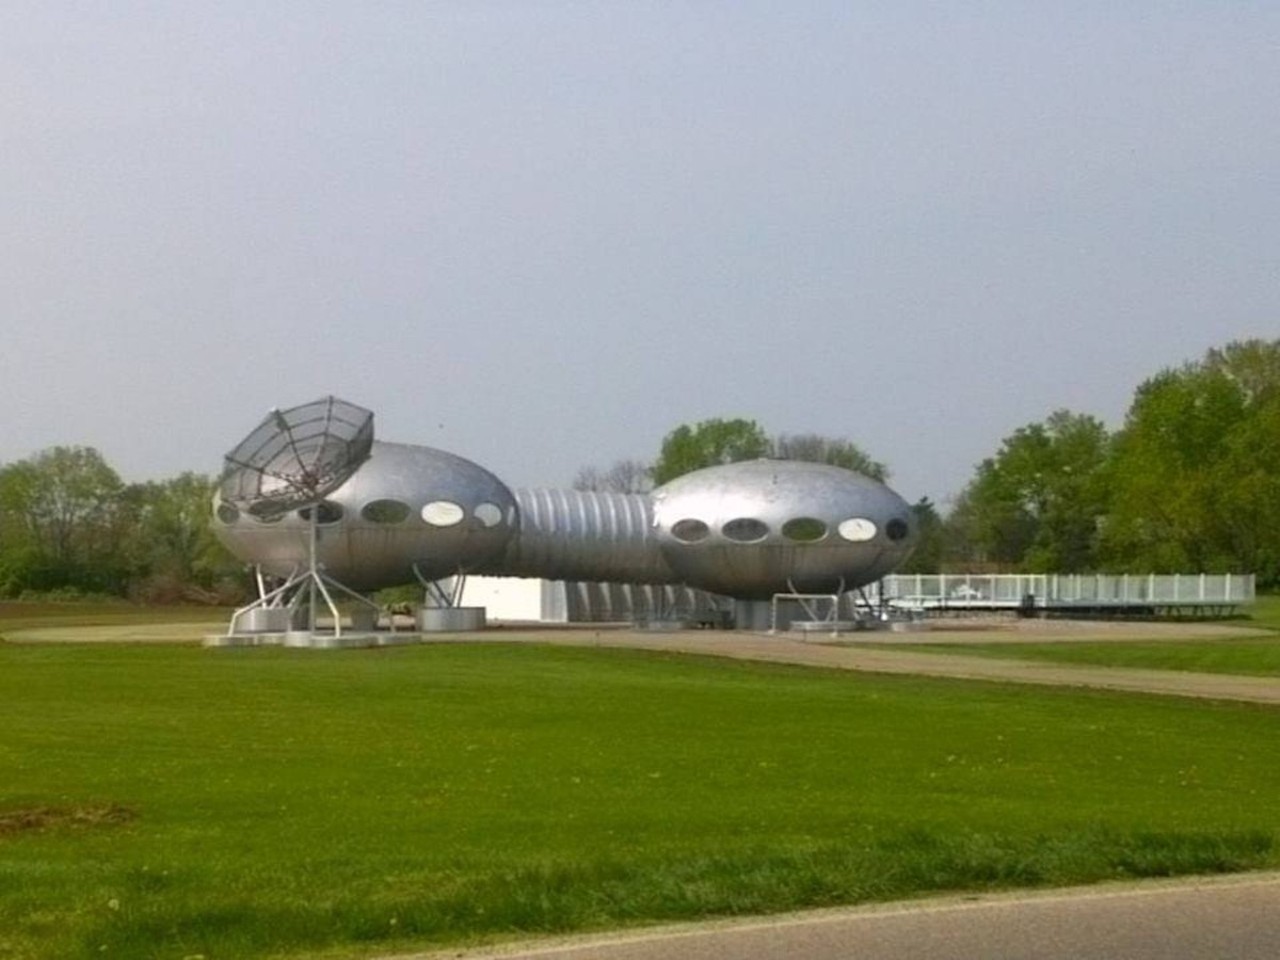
x=1231 y=918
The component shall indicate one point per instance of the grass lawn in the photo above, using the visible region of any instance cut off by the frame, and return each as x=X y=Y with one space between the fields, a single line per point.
x=172 y=801
x=1266 y=611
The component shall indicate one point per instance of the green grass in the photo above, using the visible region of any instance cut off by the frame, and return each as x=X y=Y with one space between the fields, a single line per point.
x=171 y=801
x=1265 y=611
x=1258 y=657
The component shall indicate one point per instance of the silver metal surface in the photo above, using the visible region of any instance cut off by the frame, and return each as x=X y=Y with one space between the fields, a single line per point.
x=793 y=513
x=585 y=535
x=371 y=553
x=744 y=530
x=292 y=460
x=296 y=456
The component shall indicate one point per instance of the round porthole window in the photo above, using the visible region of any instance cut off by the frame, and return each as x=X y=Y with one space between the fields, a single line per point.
x=745 y=529
x=897 y=529
x=227 y=513
x=442 y=513
x=490 y=514
x=804 y=529
x=385 y=511
x=326 y=512
x=264 y=511
x=857 y=529
x=690 y=530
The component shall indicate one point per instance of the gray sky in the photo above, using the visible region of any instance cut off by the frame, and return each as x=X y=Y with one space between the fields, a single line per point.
x=543 y=234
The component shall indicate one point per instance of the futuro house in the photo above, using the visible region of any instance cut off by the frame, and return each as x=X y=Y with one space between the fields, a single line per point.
x=744 y=530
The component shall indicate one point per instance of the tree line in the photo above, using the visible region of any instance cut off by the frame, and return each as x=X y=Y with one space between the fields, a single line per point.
x=1189 y=483
x=70 y=526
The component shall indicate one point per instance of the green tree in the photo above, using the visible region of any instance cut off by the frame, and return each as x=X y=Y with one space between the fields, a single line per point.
x=813 y=448
x=988 y=526
x=707 y=444
x=1038 y=503
x=62 y=521
x=713 y=442
x=19 y=554
x=930 y=542
x=174 y=554
x=1196 y=479
x=1249 y=489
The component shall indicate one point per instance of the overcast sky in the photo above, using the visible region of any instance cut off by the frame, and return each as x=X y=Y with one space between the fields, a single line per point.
x=543 y=234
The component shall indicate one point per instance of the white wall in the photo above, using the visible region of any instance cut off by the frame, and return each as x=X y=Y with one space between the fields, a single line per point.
x=516 y=598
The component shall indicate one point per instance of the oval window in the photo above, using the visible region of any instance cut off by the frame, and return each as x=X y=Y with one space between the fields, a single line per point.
x=690 y=530
x=490 y=514
x=897 y=529
x=266 y=511
x=804 y=529
x=745 y=529
x=227 y=513
x=857 y=529
x=442 y=513
x=326 y=512
x=385 y=511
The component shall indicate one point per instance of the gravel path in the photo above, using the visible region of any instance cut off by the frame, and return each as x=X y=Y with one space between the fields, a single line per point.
x=897 y=656
x=901 y=659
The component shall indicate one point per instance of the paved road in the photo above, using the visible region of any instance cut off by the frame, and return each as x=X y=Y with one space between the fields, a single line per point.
x=1231 y=918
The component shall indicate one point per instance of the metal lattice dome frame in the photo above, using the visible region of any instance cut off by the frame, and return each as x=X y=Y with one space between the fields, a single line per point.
x=296 y=457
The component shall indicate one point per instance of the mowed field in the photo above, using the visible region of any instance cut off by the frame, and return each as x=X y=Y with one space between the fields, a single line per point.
x=165 y=800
